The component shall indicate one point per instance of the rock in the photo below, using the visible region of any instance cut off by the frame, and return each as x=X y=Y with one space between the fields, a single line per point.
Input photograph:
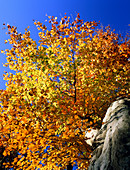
x=90 y=135
x=112 y=142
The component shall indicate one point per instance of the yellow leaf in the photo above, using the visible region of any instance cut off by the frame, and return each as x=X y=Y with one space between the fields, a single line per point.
x=5 y=153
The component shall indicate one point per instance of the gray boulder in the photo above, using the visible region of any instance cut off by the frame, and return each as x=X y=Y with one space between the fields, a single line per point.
x=112 y=142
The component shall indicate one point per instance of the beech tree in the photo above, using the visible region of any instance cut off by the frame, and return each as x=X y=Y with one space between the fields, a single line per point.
x=62 y=87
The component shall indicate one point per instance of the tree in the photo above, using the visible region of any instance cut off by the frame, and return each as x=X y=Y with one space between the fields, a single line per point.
x=62 y=88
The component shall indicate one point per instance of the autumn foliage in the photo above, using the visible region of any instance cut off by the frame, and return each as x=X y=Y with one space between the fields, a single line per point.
x=62 y=87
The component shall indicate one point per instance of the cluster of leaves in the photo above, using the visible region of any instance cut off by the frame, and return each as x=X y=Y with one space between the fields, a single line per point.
x=62 y=87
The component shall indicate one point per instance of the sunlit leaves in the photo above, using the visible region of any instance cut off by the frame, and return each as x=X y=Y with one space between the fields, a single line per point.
x=62 y=87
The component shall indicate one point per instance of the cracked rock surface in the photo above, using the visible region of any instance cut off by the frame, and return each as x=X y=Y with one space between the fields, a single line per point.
x=112 y=142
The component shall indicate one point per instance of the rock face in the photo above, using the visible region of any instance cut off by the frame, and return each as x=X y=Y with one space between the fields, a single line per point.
x=112 y=142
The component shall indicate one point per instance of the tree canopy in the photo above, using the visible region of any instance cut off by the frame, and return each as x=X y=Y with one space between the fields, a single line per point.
x=62 y=87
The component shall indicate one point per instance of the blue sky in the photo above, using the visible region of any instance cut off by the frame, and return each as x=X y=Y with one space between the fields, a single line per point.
x=21 y=13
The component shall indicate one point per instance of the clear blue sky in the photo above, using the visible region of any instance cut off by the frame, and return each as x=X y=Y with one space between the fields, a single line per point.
x=21 y=13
